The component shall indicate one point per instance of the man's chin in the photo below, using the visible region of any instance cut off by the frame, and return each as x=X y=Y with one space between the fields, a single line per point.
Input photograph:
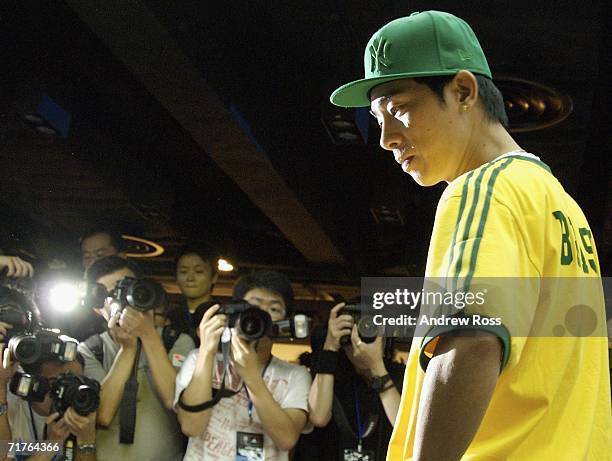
x=424 y=180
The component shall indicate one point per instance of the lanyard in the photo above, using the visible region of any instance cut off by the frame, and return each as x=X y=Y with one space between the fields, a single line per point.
x=263 y=372
x=361 y=429
x=34 y=425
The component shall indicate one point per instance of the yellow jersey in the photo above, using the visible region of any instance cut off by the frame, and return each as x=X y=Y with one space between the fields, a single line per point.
x=512 y=218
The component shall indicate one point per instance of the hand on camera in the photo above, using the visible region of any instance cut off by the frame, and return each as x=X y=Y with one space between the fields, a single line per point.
x=3 y=330
x=83 y=427
x=337 y=327
x=137 y=323
x=125 y=339
x=369 y=354
x=7 y=369
x=210 y=329
x=57 y=428
x=16 y=267
x=244 y=358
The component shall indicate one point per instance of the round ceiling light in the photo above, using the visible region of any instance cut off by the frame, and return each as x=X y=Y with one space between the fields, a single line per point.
x=138 y=247
x=532 y=106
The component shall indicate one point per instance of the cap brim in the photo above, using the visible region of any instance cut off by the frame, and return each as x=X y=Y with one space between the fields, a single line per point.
x=357 y=93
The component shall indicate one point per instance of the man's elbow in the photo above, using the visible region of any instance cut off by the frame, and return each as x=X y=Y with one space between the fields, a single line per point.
x=169 y=403
x=319 y=420
x=288 y=443
x=103 y=420
x=189 y=427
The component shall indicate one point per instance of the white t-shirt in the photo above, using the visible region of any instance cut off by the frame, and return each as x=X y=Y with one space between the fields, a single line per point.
x=289 y=385
x=21 y=422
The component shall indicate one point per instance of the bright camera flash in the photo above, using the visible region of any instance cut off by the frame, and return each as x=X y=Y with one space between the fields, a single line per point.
x=64 y=297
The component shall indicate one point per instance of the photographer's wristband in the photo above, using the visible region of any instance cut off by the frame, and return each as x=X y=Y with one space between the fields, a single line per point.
x=327 y=362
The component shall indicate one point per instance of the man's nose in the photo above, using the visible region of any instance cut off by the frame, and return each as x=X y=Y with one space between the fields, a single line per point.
x=390 y=136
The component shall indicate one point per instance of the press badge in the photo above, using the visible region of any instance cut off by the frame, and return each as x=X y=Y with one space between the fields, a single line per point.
x=350 y=454
x=249 y=447
x=178 y=360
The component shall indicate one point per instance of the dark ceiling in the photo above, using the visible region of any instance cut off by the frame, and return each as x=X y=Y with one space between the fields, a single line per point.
x=194 y=119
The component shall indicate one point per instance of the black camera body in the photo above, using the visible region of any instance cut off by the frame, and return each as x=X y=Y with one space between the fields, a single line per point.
x=250 y=322
x=29 y=387
x=79 y=392
x=140 y=294
x=30 y=348
x=366 y=328
x=66 y=390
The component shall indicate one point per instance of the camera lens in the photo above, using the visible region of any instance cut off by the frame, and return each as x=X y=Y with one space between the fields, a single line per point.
x=86 y=399
x=25 y=349
x=141 y=294
x=145 y=294
x=254 y=324
x=367 y=329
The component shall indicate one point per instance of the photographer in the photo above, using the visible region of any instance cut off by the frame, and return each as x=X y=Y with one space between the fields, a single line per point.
x=196 y=274
x=111 y=356
x=269 y=411
x=24 y=421
x=99 y=243
x=355 y=392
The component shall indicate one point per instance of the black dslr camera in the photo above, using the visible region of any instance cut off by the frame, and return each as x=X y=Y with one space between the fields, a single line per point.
x=366 y=328
x=30 y=348
x=66 y=390
x=250 y=322
x=79 y=392
x=140 y=294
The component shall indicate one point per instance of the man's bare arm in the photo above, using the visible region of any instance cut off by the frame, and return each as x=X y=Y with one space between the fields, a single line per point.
x=456 y=392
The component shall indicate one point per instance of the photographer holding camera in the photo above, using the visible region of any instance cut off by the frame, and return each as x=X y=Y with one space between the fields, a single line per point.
x=45 y=421
x=11 y=267
x=141 y=384
x=265 y=416
x=354 y=395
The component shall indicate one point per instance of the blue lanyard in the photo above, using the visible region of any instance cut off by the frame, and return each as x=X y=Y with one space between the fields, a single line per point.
x=360 y=427
x=263 y=372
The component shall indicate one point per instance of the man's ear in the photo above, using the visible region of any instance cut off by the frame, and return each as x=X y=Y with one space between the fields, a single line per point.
x=464 y=88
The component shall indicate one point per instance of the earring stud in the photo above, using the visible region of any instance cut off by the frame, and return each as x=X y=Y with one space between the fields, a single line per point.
x=465 y=107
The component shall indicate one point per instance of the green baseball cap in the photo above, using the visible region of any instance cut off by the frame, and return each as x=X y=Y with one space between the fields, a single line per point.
x=420 y=45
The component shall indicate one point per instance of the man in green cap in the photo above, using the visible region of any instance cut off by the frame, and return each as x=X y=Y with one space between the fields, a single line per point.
x=493 y=392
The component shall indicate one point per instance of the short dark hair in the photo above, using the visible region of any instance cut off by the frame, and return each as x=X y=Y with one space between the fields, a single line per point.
x=114 y=235
x=208 y=253
x=110 y=264
x=489 y=95
x=268 y=280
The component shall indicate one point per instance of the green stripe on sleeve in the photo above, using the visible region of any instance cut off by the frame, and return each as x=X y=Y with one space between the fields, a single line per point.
x=468 y=225
x=464 y=195
x=483 y=220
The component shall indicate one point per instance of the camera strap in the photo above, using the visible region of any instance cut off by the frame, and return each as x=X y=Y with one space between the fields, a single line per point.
x=220 y=393
x=127 y=411
x=34 y=430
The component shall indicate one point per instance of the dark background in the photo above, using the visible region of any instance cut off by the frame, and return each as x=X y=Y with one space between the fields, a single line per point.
x=193 y=119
